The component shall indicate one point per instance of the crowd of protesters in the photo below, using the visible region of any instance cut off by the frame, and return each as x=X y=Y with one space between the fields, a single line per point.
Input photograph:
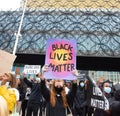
x=41 y=97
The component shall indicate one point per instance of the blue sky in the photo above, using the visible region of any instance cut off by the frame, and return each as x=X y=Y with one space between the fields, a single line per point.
x=9 y=4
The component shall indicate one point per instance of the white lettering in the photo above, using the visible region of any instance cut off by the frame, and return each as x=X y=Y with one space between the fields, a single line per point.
x=97 y=103
x=97 y=91
x=32 y=69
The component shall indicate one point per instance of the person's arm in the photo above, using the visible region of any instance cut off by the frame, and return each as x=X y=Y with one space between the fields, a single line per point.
x=72 y=92
x=45 y=91
x=29 y=84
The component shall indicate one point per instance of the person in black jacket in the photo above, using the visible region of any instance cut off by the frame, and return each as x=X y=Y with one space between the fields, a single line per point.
x=80 y=103
x=115 y=104
x=106 y=89
x=34 y=98
x=22 y=90
x=56 y=97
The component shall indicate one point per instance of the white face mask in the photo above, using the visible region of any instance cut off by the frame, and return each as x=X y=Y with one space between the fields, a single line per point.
x=7 y=84
x=82 y=84
x=107 y=89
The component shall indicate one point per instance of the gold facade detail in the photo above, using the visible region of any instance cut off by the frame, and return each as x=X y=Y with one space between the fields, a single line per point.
x=74 y=4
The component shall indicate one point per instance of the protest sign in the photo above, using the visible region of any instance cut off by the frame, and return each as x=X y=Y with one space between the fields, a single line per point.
x=95 y=96
x=61 y=58
x=32 y=69
x=6 y=61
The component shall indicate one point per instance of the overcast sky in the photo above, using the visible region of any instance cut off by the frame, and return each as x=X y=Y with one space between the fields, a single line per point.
x=9 y=4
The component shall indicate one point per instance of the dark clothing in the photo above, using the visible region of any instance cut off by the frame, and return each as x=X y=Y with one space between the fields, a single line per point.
x=58 y=110
x=22 y=87
x=32 y=107
x=100 y=112
x=22 y=92
x=89 y=111
x=42 y=106
x=35 y=95
x=34 y=98
x=24 y=107
x=79 y=111
x=25 y=101
x=80 y=98
x=115 y=108
x=79 y=104
x=115 y=104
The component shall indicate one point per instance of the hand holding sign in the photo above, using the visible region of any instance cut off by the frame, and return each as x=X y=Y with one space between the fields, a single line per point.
x=45 y=68
x=75 y=72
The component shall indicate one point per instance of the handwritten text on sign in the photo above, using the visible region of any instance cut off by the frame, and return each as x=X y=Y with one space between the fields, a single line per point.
x=61 y=58
x=98 y=100
x=31 y=69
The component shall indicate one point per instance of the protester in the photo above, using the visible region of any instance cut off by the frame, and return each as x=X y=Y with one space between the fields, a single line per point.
x=25 y=100
x=106 y=89
x=22 y=90
x=41 y=109
x=90 y=109
x=34 y=98
x=80 y=103
x=115 y=104
x=8 y=94
x=13 y=87
x=25 y=89
x=56 y=97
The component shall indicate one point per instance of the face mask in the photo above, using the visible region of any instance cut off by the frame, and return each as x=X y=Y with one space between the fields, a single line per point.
x=7 y=84
x=107 y=89
x=82 y=84
x=58 y=90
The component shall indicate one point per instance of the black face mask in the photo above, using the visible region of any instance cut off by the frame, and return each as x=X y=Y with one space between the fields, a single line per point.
x=58 y=90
